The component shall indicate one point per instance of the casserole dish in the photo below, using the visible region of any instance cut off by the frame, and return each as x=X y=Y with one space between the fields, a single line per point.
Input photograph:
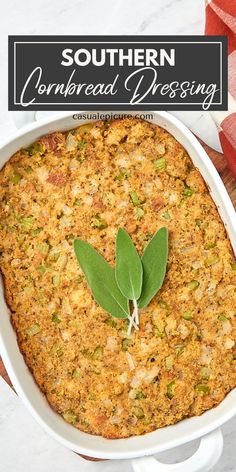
x=162 y=439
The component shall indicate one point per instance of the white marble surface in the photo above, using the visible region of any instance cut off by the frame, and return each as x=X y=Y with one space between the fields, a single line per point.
x=23 y=445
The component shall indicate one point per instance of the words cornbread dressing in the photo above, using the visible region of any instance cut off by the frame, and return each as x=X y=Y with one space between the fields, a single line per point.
x=86 y=184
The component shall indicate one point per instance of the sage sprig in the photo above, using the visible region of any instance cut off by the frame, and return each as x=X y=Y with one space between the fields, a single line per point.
x=128 y=270
x=133 y=278
x=154 y=261
x=101 y=280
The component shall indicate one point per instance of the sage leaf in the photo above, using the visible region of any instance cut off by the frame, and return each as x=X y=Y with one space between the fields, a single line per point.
x=154 y=262
x=129 y=269
x=101 y=280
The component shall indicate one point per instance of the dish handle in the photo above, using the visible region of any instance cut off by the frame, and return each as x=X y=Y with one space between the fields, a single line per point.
x=206 y=456
x=23 y=118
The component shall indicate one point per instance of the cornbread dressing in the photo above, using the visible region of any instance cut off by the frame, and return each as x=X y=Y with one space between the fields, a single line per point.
x=87 y=183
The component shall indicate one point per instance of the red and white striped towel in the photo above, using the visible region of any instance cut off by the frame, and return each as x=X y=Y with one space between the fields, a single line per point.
x=221 y=20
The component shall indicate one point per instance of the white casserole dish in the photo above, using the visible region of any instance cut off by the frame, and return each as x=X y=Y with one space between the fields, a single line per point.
x=205 y=426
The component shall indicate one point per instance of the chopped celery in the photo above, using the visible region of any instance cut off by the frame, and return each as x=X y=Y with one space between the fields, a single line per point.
x=138 y=412
x=170 y=390
x=62 y=262
x=96 y=371
x=34 y=329
x=222 y=317
x=86 y=353
x=138 y=213
x=198 y=222
x=42 y=269
x=55 y=256
x=193 y=285
x=159 y=324
x=169 y=362
x=98 y=353
x=81 y=144
x=140 y=395
x=15 y=178
x=69 y=416
x=55 y=318
x=79 y=279
x=35 y=149
x=98 y=222
x=212 y=261
x=43 y=248
x=159 y=333
x=163 y=305
x=134 y=198
x=76 y=374
x=205 y=373
x=57 y=350
x=209 y=246
x=80 y=158
x=179 y=349
x=124 y=174
x=202 y=388
x=125 y=344
x=166 y=215
x=188 y=192
x=56 y=280
x=187 y=315
x=160 y=164
x=110 y=322
x=37 y=231
x=182 y=202
x=27 y=222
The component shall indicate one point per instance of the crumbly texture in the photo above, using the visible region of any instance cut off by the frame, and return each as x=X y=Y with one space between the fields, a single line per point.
x=181 y=362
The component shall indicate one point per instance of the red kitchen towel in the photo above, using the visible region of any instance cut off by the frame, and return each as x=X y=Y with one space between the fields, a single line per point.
x=221 y=20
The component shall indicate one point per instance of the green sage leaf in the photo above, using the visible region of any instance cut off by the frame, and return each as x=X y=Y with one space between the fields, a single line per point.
x=101 y=279
x=154 y=262
x=129 y=269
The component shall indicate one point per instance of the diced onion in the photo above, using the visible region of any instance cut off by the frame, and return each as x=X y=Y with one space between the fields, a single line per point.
x=88 y=200
x=229 y=343
x=111 y=343
x=67 y=210
x=130 y=361
x=71 y=142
